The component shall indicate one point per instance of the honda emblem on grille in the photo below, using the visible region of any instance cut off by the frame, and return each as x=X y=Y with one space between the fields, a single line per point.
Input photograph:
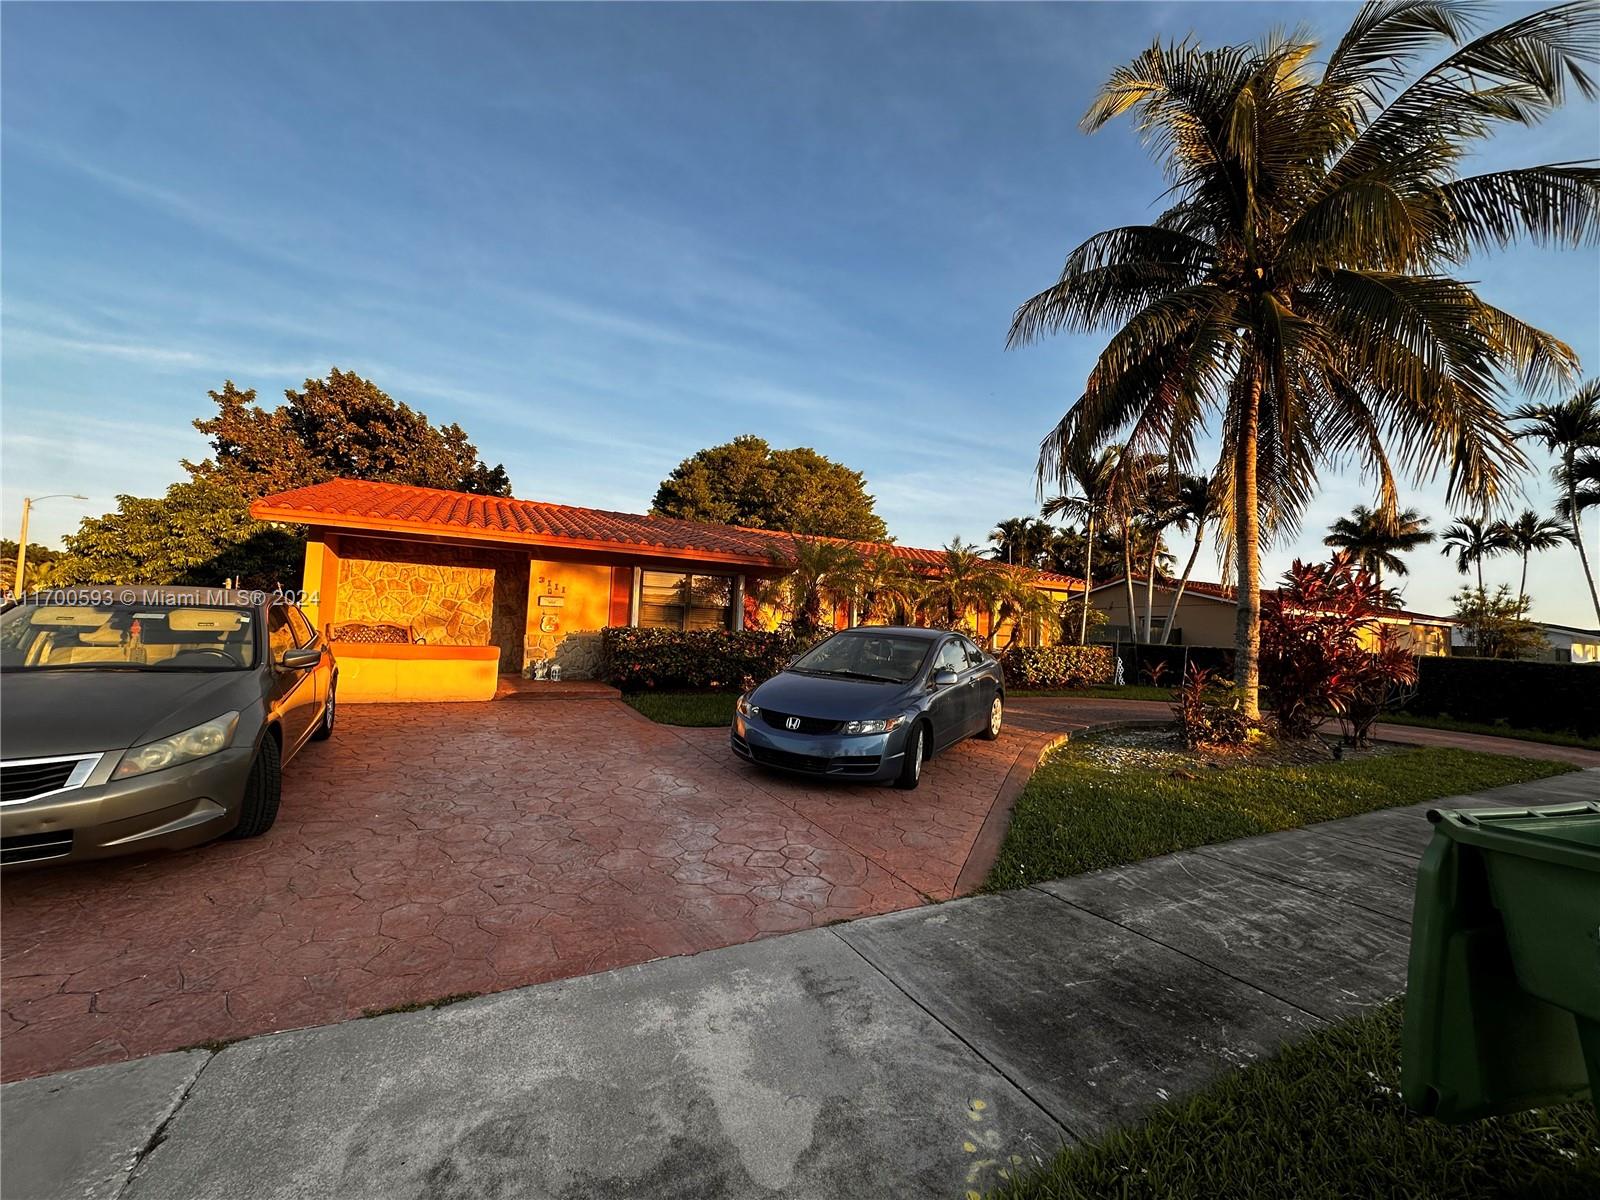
x=792 y=723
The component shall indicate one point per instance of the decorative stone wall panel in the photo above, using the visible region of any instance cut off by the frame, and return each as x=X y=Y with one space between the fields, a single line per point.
x=442 y=593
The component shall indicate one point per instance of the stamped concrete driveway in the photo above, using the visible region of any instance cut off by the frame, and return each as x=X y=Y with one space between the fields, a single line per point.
x=433 y=850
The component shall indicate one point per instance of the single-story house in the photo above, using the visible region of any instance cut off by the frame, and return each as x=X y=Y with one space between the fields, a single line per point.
x=1207 y=612
x=1563 y=643
x=1569 y=643
x=431 y=595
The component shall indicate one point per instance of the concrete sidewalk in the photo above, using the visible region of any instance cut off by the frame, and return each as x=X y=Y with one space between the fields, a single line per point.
x=921 y=1053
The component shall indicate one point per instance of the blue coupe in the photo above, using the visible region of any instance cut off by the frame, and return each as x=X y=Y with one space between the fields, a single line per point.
x=873 y=704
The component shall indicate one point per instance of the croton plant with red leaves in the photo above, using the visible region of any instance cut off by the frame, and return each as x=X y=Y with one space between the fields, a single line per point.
x=1317 y=655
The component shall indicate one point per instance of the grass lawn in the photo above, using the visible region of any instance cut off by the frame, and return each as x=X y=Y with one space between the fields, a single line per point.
x=1527 y=735
x=685 y=708
x=1083 y=811
x=1132 y=691
x=1322 y=1120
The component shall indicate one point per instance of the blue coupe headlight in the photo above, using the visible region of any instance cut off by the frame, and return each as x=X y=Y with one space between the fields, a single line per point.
x=746 y=709
x=882 y=725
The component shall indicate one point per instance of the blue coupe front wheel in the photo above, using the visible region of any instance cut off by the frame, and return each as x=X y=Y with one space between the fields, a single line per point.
x=911 y=765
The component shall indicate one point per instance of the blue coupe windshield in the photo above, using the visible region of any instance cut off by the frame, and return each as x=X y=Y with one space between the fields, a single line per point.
x=890 y=657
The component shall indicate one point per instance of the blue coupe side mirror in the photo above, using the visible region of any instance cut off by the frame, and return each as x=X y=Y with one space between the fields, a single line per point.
x=943 y=678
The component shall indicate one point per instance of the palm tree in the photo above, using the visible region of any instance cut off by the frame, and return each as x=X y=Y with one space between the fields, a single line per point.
x=1377 y=537
x=1094 y=474
x=1020 y=541
x=886 y=587
x=1528 y=533
x=1567 y=429
x=821 y=571
x=1015 y=596
x=1299 y=285
x=1471 y=540
x=964 y=585
x=1157 y=512
x=1194 y=503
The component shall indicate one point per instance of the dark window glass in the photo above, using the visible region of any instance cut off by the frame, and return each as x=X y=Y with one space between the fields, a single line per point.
x=710 y=601
x=661 y=600
x=280 y=636
x=303 y=633
x=668 y=600
x=859 y=653
x=951 y=657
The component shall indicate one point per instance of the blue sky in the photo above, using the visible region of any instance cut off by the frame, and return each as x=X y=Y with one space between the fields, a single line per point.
x=602 y=237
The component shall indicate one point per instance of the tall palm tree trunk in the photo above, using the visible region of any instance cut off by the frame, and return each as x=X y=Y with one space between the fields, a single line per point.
x=1127 y=578
x=1183 y=582
x=1522 y=584
x=1247 y=535
x=1088 y=583
x=1150 y=593
x=1577 y=533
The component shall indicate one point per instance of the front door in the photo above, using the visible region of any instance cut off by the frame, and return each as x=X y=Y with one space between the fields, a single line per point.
x=508 y=628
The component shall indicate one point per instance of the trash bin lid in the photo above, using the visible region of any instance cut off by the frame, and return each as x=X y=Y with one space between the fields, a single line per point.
x=1568 y=834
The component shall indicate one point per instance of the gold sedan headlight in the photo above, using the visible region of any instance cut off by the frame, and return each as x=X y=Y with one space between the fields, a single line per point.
x=201 y=741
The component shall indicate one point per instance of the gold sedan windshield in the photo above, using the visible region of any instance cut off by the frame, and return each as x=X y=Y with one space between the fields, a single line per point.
x=42 y=636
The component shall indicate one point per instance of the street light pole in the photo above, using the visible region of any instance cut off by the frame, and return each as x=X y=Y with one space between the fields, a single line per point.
x=22 y=542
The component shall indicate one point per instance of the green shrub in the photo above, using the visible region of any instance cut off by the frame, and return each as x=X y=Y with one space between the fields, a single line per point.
x=1554 y=697
x=1034 y=667
x=641 y=660
x=1210 y=711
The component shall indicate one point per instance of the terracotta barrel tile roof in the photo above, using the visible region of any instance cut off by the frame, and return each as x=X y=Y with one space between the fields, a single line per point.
x=393 y=507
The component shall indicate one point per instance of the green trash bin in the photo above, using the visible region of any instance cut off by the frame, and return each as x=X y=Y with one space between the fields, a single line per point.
x=1503 y=987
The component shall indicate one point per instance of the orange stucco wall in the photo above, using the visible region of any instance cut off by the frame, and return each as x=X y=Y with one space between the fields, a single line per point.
x=379 y=674
x=568 y=605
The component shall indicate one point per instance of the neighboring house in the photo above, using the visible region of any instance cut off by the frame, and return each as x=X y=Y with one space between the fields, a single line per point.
x=431 y=594
x=1206 y=616
x=1571 y=644
x=1563 y=643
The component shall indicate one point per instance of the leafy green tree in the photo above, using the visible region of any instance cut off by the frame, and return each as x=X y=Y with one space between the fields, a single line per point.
x=1297 y=296
x=200 y=532
x=1379 y=536
x=38 y=562
x=1571 y=430
x=1497 y=625
x=343 y=426
x=746 y=482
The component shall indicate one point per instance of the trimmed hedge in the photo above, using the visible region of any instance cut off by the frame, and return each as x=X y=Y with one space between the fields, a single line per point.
x=1138 y=660
x=1553 y=697
x=1041 y=667
x=643 y=660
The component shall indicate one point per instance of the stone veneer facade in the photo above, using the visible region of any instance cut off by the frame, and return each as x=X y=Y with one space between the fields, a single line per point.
x=442 y=595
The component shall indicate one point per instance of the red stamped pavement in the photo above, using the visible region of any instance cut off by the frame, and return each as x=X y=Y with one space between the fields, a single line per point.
x=429 y=850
